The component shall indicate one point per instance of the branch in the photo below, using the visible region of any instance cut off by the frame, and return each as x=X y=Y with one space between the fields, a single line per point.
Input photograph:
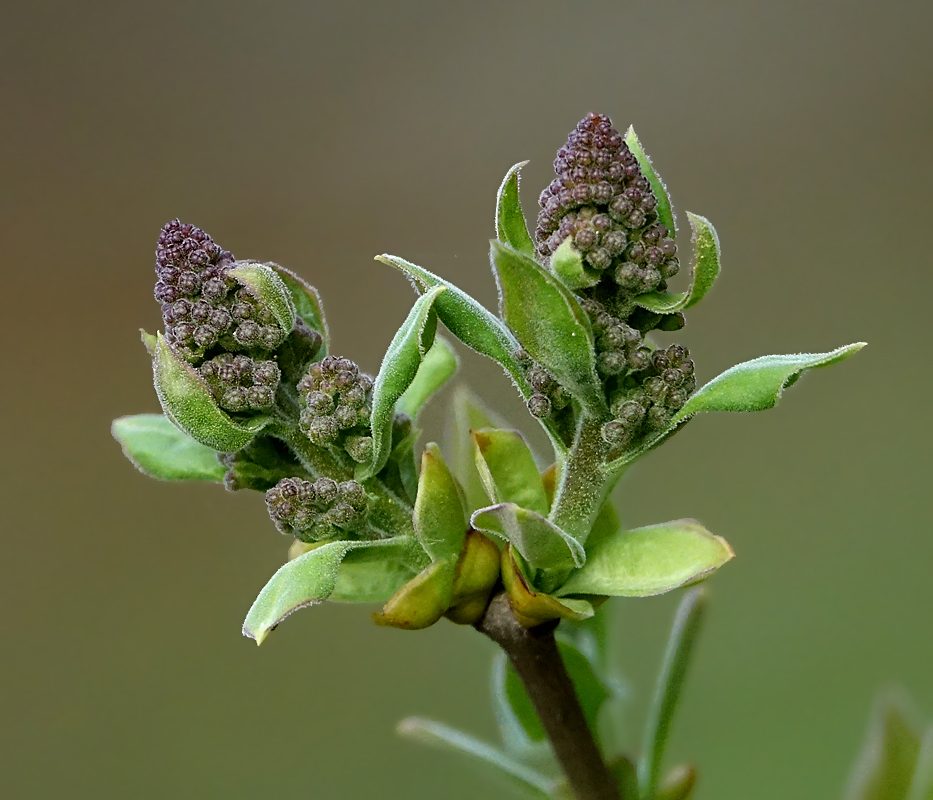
x=537 y=661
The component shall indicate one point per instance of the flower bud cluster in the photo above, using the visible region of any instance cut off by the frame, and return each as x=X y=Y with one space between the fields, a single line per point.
x=316 y=510
x=202 y=305
x=645 y=403
x=238 y=383
x=337 y=400
x=602 y=200
x=548 y=395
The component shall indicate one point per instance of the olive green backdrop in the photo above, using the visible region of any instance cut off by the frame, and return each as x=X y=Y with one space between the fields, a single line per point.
x=318 y=135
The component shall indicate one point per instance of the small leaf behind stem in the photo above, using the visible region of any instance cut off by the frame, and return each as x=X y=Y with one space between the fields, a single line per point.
x=160 y=450
x=507 y=469
x=667 y=693
x=532 y=783
x=438 y=367
x=889 y=759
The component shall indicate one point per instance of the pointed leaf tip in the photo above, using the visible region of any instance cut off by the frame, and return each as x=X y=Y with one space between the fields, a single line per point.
x=510 y=221
x=758 y=384
x=665 y=210
x=308 y=580
x=465 y=318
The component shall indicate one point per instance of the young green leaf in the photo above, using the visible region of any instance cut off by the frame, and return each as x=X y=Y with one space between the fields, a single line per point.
x=307 y=302
x=266 y=286
x=510 y=221
x=704 y=270
x=542 y=544
x=440 y=518
x=590 y=690
x=475 y=326
x=667 y=693
x=507 y=469
x=549 y=323
x=149 y=342
x=665 y=209
x=438 y=367
x=158 y=449
x=530 y=782
x=757 y=385
x=308 y=580
x=467 y=414
x=399 y=366
x=567 y=264
x=187 y=402
x=360 y=579
x=648 y=561
x=888 y=762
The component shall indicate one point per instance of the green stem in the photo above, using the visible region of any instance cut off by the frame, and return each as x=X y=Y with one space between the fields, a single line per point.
x=583 y=486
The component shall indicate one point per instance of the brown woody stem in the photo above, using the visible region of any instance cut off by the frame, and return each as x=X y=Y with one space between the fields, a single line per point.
x=534 y=654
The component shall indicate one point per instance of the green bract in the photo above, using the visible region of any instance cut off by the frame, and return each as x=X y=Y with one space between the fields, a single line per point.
x=548 y=322
x=266 y=286
x=703 y=273
x=399 y=367
x=187 y=401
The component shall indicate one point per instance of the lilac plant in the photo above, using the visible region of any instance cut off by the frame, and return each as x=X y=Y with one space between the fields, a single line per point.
x=253 y=398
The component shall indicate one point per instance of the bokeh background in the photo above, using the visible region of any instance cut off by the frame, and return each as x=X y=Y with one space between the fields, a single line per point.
x=318 y=135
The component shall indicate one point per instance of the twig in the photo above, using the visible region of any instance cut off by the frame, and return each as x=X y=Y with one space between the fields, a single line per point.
x=537 y=661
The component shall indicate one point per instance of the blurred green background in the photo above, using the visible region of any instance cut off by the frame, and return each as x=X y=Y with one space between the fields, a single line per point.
x=320 y=135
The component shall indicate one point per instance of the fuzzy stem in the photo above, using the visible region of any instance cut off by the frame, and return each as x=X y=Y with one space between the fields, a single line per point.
x=537 y=661
x=583 y=486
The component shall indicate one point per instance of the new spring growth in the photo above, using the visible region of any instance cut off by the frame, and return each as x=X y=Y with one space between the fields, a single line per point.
x=253 y=400
x=600 y=217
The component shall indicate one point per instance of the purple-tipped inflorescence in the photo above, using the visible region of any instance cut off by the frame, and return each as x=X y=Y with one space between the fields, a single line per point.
x=316 y=510
x=202 y=305
x=239 y=383
x=605 y=206
x=337 y=401
x=601 y=199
